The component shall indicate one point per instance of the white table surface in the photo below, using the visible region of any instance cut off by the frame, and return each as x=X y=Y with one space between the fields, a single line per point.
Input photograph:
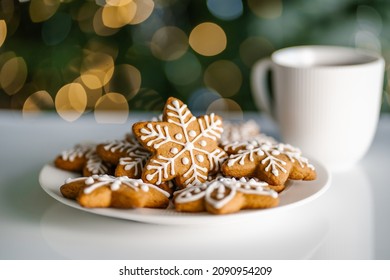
x=349 y=221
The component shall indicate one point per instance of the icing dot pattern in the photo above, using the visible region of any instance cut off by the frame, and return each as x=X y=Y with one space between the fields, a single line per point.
x=196 y=141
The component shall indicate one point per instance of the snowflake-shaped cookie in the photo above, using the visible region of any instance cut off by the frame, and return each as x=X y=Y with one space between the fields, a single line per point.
x=128 y=155
x=225 y=195
x=117 y=192
x=95 y=165
x=183 y=147
x=82 y=158
x=273 y=163
x=74 y=159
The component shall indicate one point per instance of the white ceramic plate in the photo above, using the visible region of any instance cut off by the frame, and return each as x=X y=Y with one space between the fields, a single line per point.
x=296 y=193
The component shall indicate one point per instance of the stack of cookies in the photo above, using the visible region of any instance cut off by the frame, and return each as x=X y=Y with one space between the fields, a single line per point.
x=197 y=163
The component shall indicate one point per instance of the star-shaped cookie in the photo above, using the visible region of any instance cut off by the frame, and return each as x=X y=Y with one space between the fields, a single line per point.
x=272 y=163
x=183 y=147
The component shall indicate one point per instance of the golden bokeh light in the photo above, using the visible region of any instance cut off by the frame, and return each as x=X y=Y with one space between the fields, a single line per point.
x=119 y=15
x=267 y=9
x=71 y=101
x=208 y=39
x=99 y=27
x=101 y=45
x=169 y=43
x=13 y=75
x=93 y=95
x=125 y=80
x=7 y=10
x=41 y=10
x=85 y=17
x=144 y=10
x=227 y=108
x=253 y=49
x=3 y=31
x=5 y=56
x=37 y=102
x=96 y=70
x=111 y=108
x=224 y=76
x=118 y=3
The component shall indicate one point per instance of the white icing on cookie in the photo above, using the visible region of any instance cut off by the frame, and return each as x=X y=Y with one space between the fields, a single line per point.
x=220 y=192
x=188 y=142
x=95 y=182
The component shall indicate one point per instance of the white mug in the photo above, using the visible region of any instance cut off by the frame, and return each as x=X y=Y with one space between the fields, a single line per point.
x=326 y=100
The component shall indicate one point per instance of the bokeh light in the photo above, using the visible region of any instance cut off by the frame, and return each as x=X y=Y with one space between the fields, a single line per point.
x=254 y=48
x=41 y=10
x=208 y=39
x=126 y=80
x=184 y=70
x=71 y=101
x=13 y=75
x=169 y=43
x=101 y=45
x=111 y=108
x=227 y=108
x=226 y=9
x=121 y=14
x=144 y=10
x=201 y=98
x=144 y=51
x=92 y=95
x=3 y=31
x=99 y=26
x=96 y=70
x=267 y=9
x=224 y=76
x=85 y=17
x=37 y=102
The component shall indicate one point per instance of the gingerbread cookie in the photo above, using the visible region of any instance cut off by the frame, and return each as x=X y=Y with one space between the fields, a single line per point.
x=117 y=192
x=183 y=147
x=225 y=195
x=302 y=168
x=82 y=158
x=268 y=162
x=258 y=161
x=128 y=156
x=74 y=159
x=95 y=165
x=239 y=131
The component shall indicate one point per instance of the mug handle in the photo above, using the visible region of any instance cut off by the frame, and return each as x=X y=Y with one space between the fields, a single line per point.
x=260 y=92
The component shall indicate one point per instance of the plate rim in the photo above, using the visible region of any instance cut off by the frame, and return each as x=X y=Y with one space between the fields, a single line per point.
x=156 y=216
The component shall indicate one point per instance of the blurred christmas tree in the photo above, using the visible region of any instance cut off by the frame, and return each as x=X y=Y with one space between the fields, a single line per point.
x=79 y=56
